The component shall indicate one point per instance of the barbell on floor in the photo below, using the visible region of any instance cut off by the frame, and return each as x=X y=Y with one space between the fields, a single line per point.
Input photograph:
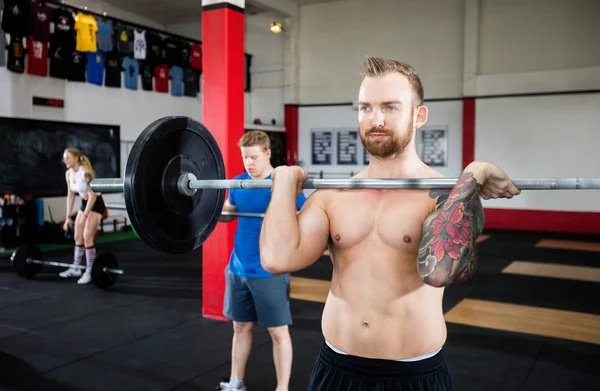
x=28 y=261
x=174 y=184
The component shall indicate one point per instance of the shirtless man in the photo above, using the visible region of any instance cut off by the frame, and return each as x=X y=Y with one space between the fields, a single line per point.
x=393 y=251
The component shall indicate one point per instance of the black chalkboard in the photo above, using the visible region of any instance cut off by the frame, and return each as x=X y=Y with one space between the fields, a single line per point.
x=31 y=154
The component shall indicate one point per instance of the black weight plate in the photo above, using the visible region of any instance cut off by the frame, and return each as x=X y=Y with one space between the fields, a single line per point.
x=100 y=278
x=161 y=217
x=19 y=260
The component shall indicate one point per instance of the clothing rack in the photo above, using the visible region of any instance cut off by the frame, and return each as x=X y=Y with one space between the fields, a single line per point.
x=85 y=9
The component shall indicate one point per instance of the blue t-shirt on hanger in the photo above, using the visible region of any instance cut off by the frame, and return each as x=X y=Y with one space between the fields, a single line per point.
x=176 y=81
x=104 y=36
x=95 y=67
x=131 y=69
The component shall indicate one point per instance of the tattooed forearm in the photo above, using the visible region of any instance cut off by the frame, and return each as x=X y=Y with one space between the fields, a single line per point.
x=447 y=251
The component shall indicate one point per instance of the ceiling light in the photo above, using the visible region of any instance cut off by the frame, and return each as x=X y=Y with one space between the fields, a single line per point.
x=276 y=27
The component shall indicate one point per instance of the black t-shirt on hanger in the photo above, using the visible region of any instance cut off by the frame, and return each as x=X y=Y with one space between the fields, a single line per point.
x=124 y=39
x=186 y=53
x=147 y=72
x=62 y=43
x=77 y=66
x=60 y=60
x=172 y=52
x=15 y=60
x=154 y=43
x=64 y=24
x=190 y=82
x=112 y=63
x=16 y=17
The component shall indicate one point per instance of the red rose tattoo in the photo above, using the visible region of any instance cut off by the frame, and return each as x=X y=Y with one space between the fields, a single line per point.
x=446 y=253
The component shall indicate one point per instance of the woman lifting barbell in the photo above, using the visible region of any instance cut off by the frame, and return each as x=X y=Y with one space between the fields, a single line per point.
x=79 y=175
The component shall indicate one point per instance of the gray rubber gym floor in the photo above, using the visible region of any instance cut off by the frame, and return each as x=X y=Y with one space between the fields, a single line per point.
x=148 y=333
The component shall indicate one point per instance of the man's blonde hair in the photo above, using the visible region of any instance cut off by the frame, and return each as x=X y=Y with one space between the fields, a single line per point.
x=255 y=137
x=379 y=66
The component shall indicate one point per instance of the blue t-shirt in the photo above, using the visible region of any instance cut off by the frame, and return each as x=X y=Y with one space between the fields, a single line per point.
x=95 y=68
x=176 y=81
x=245 y=258
x=131 y=69
x=104 y=36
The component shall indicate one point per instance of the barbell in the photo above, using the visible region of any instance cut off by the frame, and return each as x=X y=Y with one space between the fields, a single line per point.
x=174 y=184
x=28 y=260
x=223 y=213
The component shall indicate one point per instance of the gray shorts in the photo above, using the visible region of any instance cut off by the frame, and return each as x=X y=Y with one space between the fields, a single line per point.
x=265 y=301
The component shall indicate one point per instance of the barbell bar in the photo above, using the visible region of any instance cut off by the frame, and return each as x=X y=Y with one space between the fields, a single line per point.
x=174 y=184
x=116 y=185
x=52 y=263
x=223 y=213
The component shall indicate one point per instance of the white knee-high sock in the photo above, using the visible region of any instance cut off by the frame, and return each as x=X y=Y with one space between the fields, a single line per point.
x=78 y=255
x=90 y=254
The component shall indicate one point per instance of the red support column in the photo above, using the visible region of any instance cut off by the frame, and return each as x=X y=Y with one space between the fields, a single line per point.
x=223 y=115
x=291 y=134
x=468 y=136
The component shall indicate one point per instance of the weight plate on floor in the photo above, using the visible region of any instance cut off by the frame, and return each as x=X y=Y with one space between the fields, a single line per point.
x=161 y=217
x=20 y=264
x=103 y=279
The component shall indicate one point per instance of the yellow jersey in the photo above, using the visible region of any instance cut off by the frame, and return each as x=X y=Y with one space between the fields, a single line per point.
x=86 y=28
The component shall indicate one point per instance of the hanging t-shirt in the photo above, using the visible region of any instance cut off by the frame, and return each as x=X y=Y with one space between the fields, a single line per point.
x=77 y=66
x=41 y=15
x=124 y=38
x=64 y=25
x=112 y=63
x=161 y=76
x=37 y=57
x=146 y=72
x=60 y=60
x=176 y=81
x=16 y=18
x=95 y=67
x=3 y=46
x=172 y=52
x=86 y=28
x=132 y=73
x=190 y=82
x=139 y=45
x=196 y=57
x=154 y=54
x=185 y=55
x=104 y=36
x=15 y=60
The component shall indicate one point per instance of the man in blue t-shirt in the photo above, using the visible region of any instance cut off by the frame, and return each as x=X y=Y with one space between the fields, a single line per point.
x=253 y=295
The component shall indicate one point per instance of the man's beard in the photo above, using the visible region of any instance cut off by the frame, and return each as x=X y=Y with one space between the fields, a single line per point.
x=391 y=145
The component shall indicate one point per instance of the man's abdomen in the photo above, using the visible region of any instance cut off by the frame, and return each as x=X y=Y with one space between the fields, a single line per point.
x=403 y=329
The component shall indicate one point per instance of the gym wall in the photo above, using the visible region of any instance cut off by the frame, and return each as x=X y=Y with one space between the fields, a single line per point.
x=88 y=103
x=132 y=110
x=265 y=102
x=465 y=51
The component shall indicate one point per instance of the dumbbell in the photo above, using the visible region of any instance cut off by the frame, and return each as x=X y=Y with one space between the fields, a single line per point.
x=28 y=261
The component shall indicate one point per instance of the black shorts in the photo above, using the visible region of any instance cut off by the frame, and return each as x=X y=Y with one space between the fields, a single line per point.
x=337 y=372
x=99 y=205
